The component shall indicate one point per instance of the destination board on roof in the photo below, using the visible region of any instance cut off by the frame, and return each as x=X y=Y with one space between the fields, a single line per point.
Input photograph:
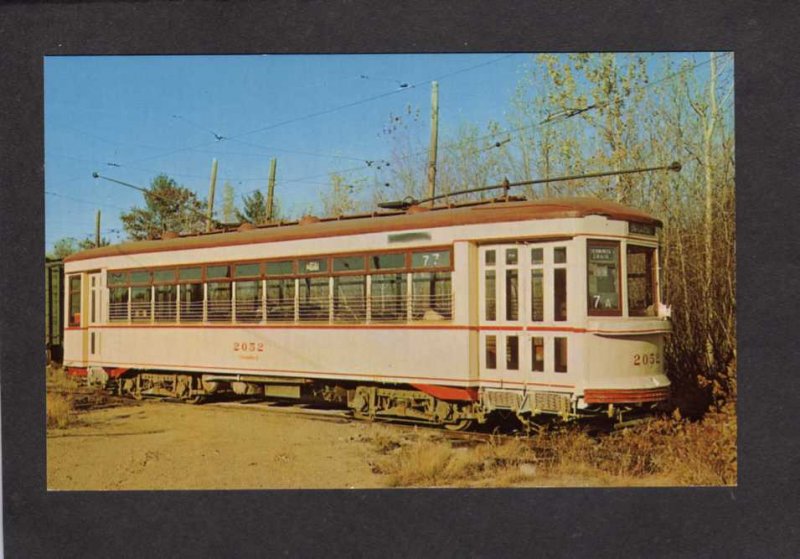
x=641 y=228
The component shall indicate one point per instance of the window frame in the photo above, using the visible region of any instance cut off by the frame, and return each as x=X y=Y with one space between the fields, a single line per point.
x=651 y=274
x=590 y=311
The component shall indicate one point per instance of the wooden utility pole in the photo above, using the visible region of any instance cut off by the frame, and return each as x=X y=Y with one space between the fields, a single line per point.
x=271 y=189
x=211 y=188
x=97 y=230
x=434 y=141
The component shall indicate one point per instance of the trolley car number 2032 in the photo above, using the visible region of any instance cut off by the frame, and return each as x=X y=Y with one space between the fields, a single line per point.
x=248 y=346
x=646 y=359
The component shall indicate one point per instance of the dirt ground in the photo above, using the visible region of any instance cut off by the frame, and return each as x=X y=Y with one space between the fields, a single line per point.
x=161 y=445
x=127 y=445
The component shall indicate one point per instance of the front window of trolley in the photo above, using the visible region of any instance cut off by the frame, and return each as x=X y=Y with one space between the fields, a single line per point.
x=603 y=274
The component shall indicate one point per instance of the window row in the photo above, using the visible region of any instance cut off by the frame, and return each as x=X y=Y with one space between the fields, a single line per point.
x=394 y=297
x=432 y=260
x=510 y=283
x=536 y=349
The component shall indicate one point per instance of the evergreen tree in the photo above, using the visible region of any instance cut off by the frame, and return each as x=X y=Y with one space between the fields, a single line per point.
x=168 y=207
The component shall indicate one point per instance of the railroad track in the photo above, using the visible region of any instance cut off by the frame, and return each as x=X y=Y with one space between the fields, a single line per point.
x=490 y=435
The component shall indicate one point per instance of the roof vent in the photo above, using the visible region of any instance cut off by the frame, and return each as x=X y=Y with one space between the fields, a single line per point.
x=416 y=209
x=169 y=235
x=246 y=226
x=308 y=219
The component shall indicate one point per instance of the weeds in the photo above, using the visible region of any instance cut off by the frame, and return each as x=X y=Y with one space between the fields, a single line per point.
x=59 y=410
x=669 y=451
x=66 y=396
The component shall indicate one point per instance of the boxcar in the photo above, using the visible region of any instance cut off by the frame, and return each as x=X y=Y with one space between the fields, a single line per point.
x=442 y=315
x=53 y=303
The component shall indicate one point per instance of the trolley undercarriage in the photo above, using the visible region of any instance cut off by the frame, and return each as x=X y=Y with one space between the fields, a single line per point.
x=387 y=402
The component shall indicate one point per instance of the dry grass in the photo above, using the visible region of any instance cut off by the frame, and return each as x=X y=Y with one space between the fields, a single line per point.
x=59 y=410
x=66 y=397
x=60 y=397
x=663 y=452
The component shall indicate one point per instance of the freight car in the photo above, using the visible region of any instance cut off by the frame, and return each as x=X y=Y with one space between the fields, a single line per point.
x=53 y=303
x=442 y=315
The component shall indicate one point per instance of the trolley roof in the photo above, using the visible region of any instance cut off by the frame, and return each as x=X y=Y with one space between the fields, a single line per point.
x=415 y=218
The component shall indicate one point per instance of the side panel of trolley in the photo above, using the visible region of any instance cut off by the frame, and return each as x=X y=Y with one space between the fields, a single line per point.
x=405 y=355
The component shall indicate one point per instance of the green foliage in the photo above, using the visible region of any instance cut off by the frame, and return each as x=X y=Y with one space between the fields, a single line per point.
x=69 y=245
x=63 y=248
x=168 y=207
x=254 y=209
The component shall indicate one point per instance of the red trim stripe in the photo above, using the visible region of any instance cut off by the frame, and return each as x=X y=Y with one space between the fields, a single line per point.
x=625 y=396
x=569 y=329
x=449 y=392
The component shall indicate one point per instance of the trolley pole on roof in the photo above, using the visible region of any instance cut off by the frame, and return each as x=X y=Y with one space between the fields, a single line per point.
x=434 y=140
x=97 y=229
x=271 y=189
x=211 y=187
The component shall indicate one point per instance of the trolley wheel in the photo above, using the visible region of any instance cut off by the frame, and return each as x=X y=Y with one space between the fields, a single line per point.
x=195 y=400
x=461 y=425
x=361 y=416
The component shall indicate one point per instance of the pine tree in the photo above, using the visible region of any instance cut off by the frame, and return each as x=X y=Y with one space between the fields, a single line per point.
x=168 y=207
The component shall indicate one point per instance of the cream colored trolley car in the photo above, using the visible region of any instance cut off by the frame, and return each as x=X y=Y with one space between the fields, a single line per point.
x=439 y=315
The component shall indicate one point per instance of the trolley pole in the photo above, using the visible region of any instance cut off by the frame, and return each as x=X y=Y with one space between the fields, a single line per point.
x=97 y=229
x=271 y=189
x=434 y=140
x=211 y=188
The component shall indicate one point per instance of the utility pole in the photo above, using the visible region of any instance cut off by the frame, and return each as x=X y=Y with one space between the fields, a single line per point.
x=211 y=187
x=97 y=230
x=271 y=189
x=434 y=140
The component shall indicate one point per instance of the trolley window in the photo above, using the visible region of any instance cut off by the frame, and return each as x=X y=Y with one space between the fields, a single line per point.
x=603 y=278
x=491 y=352
x=349 y=298
x=537 y=354
x=391 y=261
x=165 y=305
x=248 y=301
x=314 y=266
x=190 y=274
x=348 y=264
x=218 y=272
x=389 y=293
x=248 y=270
x=314 y=299
x=640 y=275
x=74 y=301
x=284 y=268
x=512 y=353
x=141 y=277
x=117 y=278
x=280 y=299
x=490 y=300
x=431 y=297
x=192 y=302
x=141 y=298
x=164 y=276
x=219 y=301
x=434 y=259
x=560 y=354
x=118 y=304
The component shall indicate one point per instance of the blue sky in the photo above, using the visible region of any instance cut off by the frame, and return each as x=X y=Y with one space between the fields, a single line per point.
x=133 y=117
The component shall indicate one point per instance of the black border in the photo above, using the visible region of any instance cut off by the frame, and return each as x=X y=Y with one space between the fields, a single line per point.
x=759 y=518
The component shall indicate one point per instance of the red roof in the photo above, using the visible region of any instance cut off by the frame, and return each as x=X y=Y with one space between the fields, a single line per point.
x=495 y=212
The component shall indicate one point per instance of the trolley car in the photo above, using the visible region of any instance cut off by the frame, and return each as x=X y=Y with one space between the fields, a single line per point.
x=441 y=315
